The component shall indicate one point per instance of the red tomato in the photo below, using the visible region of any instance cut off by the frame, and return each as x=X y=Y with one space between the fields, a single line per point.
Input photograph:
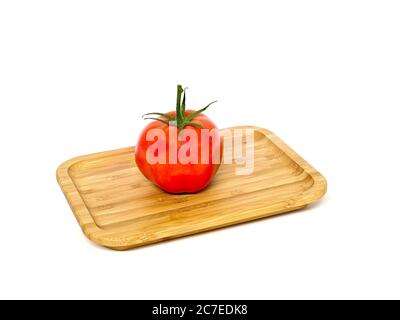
x=183 y=157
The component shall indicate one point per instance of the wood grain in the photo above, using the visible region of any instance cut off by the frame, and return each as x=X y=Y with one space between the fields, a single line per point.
x=118 y=208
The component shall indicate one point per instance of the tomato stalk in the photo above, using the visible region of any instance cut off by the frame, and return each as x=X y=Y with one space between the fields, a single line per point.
x=180 y=119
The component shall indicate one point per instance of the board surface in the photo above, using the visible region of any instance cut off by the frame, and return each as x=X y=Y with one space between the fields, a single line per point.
x=118 y=208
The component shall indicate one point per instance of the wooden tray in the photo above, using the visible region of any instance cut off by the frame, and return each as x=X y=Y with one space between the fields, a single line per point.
x=118 y=208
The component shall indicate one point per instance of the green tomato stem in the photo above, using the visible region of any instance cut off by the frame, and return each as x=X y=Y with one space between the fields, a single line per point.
x=180 y=120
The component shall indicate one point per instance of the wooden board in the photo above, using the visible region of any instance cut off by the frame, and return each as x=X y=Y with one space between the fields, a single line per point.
x=118 y=208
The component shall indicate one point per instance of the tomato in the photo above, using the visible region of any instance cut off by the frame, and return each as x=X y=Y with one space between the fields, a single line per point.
x=180 y=151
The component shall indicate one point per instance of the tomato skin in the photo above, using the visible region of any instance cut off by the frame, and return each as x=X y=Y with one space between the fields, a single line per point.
x=177 y=177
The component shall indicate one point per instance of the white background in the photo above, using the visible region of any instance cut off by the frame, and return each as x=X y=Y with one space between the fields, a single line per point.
x=75 y=77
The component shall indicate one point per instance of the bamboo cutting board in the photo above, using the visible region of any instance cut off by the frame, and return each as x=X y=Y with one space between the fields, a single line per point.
x=118 y=208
